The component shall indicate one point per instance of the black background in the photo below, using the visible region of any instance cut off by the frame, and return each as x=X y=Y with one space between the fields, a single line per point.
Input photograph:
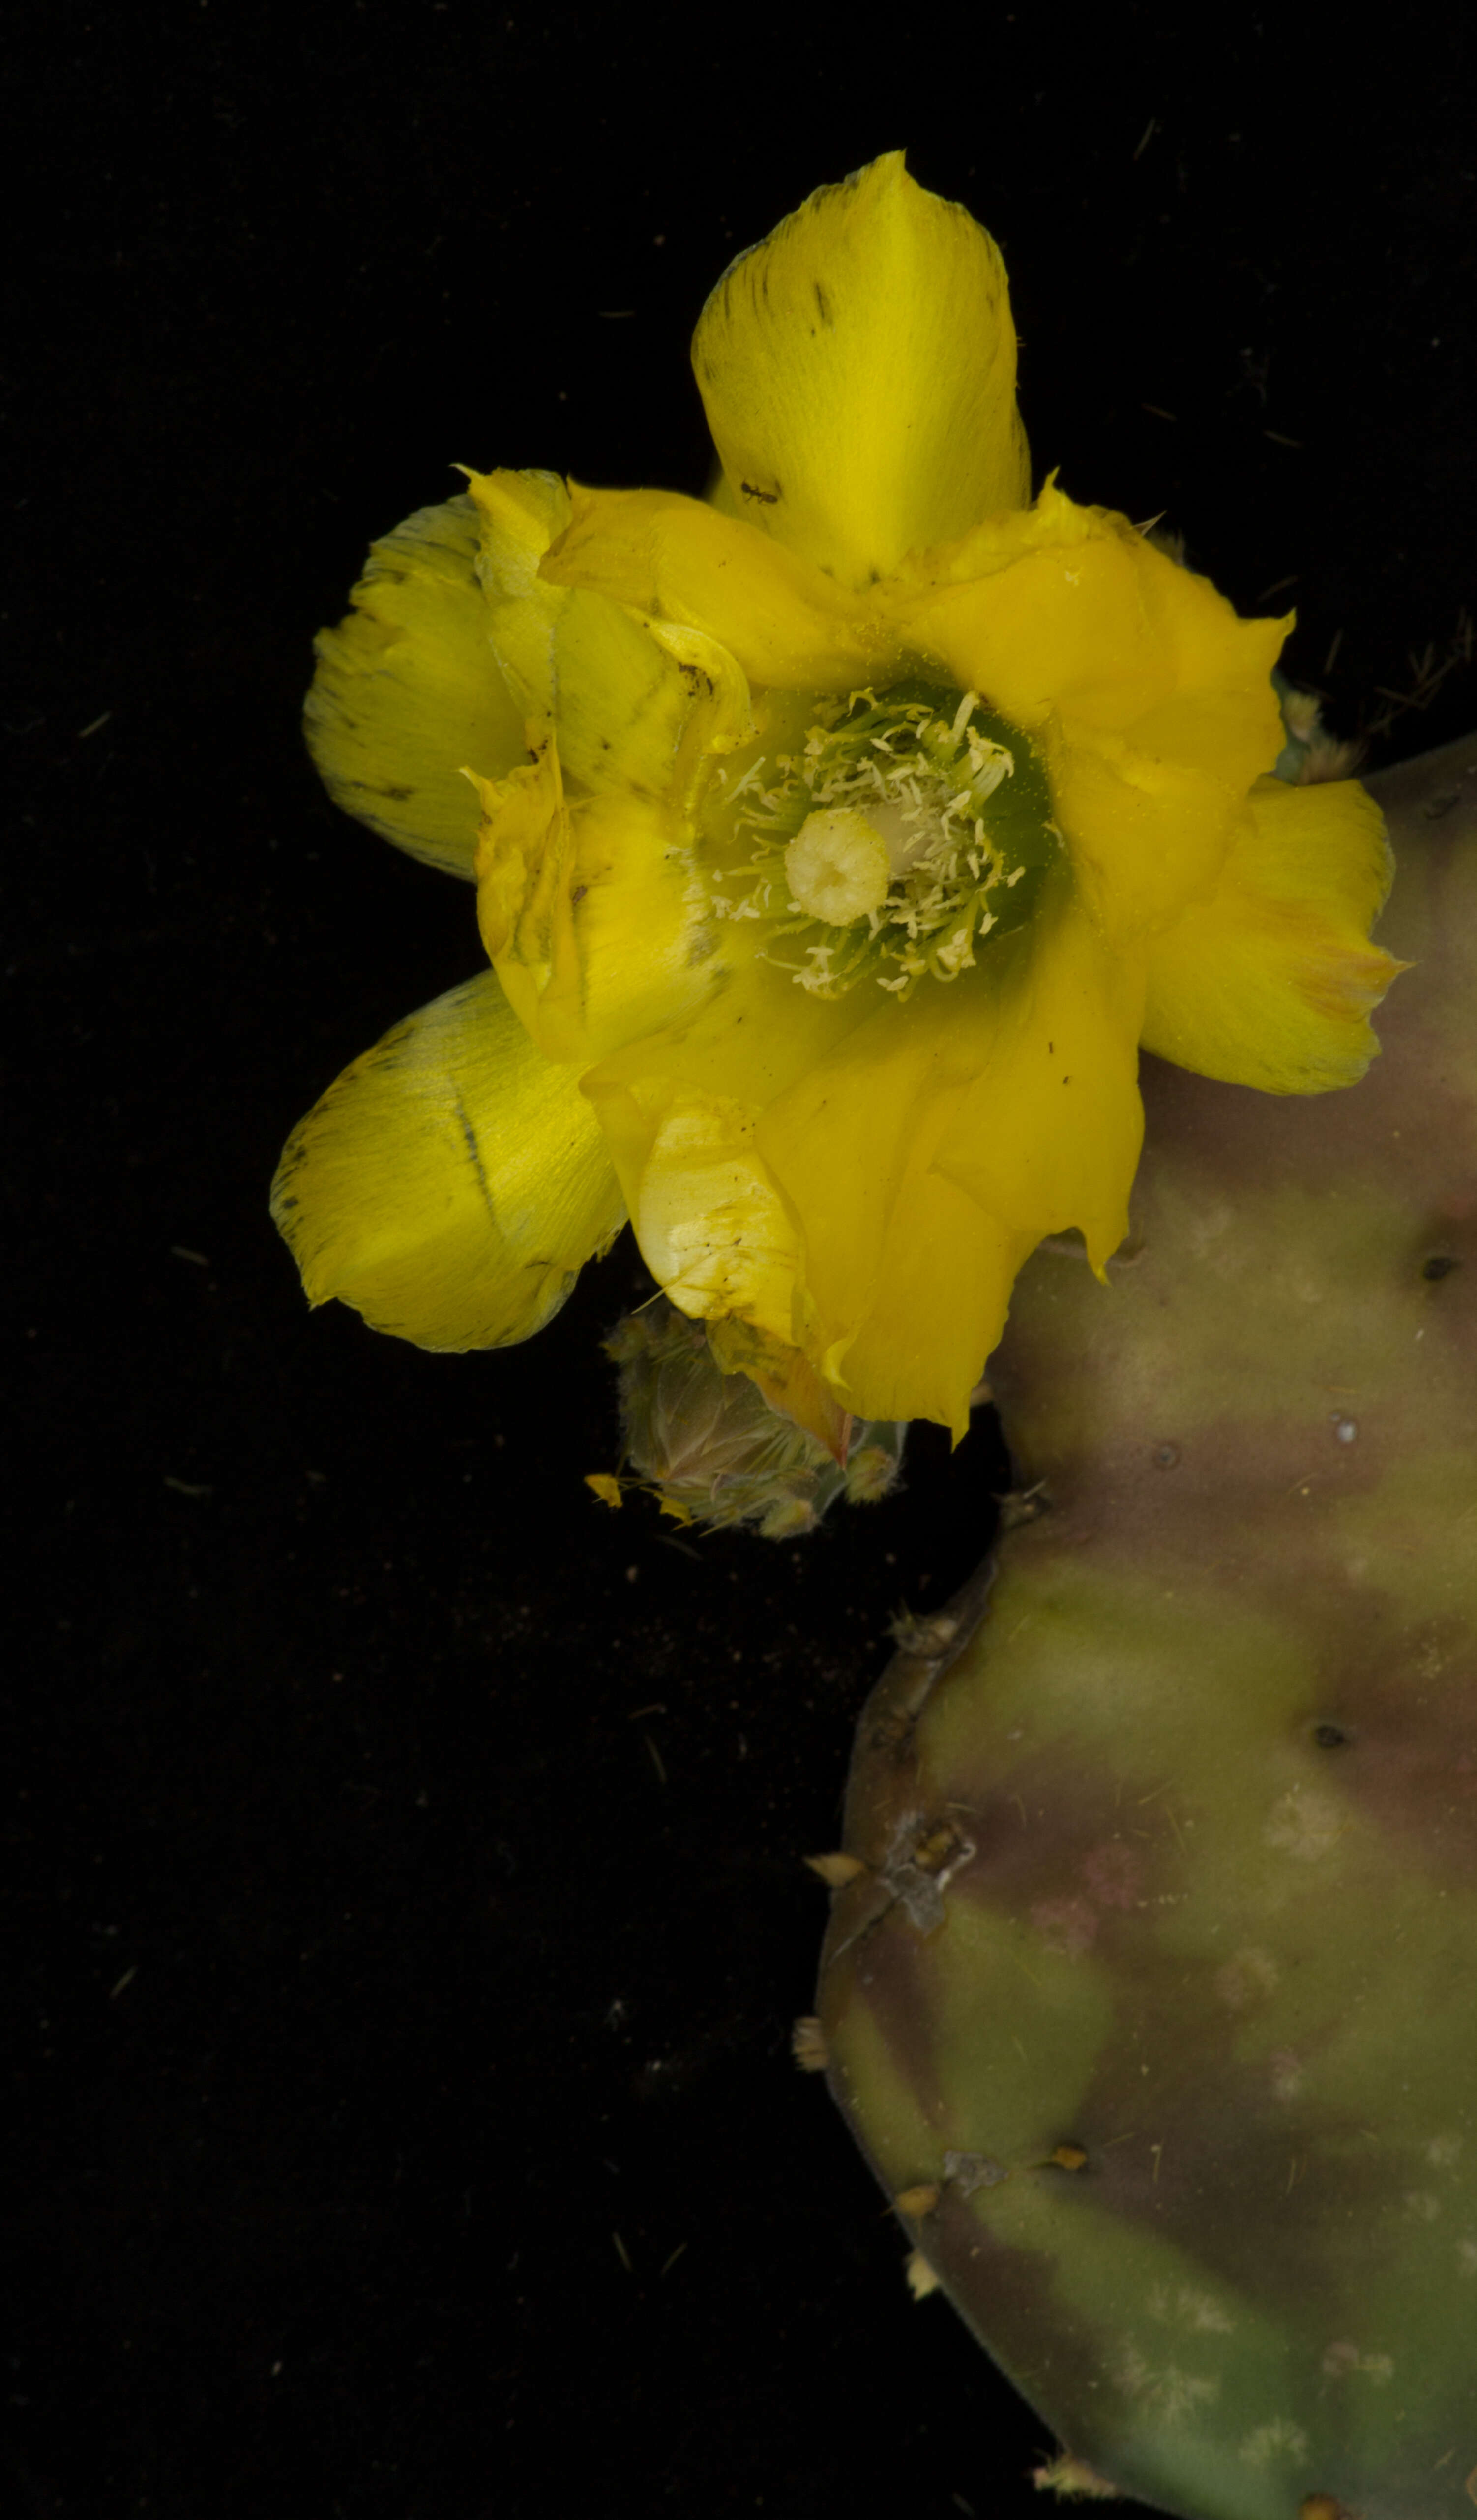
x=404 y=1852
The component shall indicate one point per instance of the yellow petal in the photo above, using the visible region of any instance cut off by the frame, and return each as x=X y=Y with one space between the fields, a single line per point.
x=757 y=1036
x=929 y=1152
x=408 y=688
x=944 y=1291
x=1066 y=606
x=522 y=865
x=858 y=369
x=517 y=516
x=678 y=1111
x=712 y=1228
x=1272 y=982
x=1152 y=700
x=591 y=910
x=618 y=699
x=847 y=1138
x=649 y=951
x=779 y=617
x=1146 y=835
x=1047 y=1136
x=452 y=1184
x=721 y=716
x=721 y=493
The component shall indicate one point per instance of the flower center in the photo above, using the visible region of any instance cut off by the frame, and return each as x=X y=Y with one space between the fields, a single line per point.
x=915 y=824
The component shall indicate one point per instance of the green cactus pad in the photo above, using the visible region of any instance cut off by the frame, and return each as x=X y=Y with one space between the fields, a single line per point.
x=1156 y=2000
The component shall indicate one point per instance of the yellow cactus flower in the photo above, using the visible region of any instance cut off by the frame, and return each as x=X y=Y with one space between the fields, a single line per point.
x=839 y=841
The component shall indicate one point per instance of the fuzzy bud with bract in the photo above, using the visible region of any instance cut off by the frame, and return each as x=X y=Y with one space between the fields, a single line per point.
x=713 y=1450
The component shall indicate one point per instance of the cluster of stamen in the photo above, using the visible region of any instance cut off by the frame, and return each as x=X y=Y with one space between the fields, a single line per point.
x=912 y=827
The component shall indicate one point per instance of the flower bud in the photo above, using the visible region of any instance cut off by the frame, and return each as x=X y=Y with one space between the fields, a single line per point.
x=712 y=1450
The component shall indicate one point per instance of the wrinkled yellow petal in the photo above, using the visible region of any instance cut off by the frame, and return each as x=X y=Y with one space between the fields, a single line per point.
x=858 y=369
x=408 y=688
x=519 y=515
x=1145 y=834
x=721 y=717
x=1152 y=700
x=592 y=912
x=618 y=699
x=649 y=951
x=523 y=867
x=778 y=615
x=1067 y=606
x=452 y=1184
x=1272 y=982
